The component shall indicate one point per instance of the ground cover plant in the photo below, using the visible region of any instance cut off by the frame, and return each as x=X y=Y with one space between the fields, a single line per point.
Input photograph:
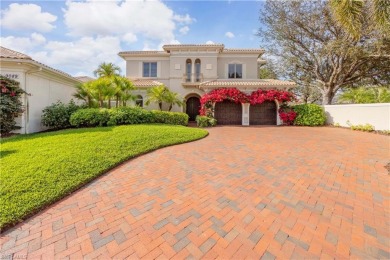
x=38 y=169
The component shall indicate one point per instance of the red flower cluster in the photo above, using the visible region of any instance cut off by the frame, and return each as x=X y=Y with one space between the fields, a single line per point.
x=288 y=117
x=259 y=96
x=221 y=94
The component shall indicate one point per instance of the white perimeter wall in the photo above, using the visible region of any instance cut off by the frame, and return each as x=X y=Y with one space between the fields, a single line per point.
x=377 y=115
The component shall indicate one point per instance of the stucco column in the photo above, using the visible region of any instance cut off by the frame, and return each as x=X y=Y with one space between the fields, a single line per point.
x=245 y=113
x=278 y=120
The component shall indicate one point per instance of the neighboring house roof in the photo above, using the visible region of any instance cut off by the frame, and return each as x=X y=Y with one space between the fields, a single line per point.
x=145 y=83
x=254 y=83
x=84 y=78
x=9 y=54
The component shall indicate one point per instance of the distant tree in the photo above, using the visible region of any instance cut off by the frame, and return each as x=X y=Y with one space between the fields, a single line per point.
x=315 y=51
x=350 y=14
x=268 y=70
x=107 y=70
x=364 y=95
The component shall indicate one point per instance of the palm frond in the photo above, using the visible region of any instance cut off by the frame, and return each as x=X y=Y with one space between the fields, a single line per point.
x=348 y=13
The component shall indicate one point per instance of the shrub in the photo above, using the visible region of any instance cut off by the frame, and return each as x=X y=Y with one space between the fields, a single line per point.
x=90 y=117
x=125 y=116
x=172 y=118
x=57 y=115
x=205 y=121
x=365 y=128
x=10 y=105
x=309 y=115
x=129 y=116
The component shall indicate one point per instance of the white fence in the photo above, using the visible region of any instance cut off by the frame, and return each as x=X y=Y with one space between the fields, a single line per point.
x=377 y=115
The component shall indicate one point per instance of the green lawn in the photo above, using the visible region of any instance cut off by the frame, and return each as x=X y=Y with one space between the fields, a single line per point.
x=38 y=169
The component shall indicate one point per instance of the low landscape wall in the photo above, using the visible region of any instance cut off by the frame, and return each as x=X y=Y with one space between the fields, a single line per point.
x=377 y=115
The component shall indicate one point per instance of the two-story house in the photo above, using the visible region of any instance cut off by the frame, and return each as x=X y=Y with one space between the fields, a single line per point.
x=192 y=70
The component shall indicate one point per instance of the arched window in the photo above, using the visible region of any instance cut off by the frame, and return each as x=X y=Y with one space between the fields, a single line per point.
x=139 y=101
x=197 y=70
x=188 y=70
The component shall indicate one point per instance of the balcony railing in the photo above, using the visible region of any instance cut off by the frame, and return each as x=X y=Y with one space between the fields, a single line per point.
x=192 y=78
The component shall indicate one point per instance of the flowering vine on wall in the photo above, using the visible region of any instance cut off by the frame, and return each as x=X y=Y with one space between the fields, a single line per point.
x=256 y=97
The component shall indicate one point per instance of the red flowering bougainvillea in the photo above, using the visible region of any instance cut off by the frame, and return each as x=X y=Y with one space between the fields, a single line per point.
x=256 y=97
x=219 y=95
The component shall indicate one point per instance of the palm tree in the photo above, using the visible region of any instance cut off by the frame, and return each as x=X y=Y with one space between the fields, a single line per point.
x=156 y=95
x=172 y=98
x=351 y=13
x=107 y=70
x=102 y=89
x=123 y=88
x=83 y=92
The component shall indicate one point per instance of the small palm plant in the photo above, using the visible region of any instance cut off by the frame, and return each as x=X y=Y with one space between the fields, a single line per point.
x=156 y=95
x=173 y=98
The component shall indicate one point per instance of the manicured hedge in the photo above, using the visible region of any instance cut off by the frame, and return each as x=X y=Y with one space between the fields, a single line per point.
x=309 y=115
x=125 y=116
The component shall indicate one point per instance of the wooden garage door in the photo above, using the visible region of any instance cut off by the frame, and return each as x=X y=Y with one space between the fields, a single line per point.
x=228 y=113
x=263 y=114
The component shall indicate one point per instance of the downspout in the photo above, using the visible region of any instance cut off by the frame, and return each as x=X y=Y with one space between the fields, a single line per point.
x=27 y=116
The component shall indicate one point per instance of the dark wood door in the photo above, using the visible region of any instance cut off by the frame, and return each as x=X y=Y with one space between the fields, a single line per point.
x=192 y=107
x=263 y=114
x=228 y=113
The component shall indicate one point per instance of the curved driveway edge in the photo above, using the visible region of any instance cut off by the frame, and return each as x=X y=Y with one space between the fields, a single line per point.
x=242 y=192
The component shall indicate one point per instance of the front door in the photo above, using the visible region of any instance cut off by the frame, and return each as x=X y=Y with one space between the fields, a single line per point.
x=192 y=107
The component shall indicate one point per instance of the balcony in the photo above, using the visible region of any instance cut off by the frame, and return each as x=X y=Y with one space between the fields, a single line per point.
x=192 y=79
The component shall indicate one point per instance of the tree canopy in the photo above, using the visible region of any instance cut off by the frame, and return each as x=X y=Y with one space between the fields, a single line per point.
x=318 y=53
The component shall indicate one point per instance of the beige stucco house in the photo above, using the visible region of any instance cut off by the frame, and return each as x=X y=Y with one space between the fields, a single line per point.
x=44 y=85
x=192 y=70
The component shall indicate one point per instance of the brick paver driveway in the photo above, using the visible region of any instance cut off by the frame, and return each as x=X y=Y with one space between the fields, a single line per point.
x=284 y=192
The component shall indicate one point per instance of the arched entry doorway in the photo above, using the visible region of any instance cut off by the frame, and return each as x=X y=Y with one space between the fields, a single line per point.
x=263 y=114
x=228 y=113
x=192 y=107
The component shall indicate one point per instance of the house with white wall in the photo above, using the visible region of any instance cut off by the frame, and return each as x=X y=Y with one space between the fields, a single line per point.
x=44 y=85
x=195 y=69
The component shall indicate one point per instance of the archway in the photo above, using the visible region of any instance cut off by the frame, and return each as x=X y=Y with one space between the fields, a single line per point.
x=192 y=107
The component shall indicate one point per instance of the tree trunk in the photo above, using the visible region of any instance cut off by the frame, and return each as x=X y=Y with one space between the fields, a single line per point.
x=160 y=105
x=170 y=107
x=109 y=103
x=327 y=97
x=101 y=103
x=117 y=101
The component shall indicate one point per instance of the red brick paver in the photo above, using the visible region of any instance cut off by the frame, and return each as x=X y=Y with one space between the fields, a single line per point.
x=242 y=192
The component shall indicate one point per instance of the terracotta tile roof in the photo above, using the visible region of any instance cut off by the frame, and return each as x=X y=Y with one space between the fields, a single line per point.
x=11 y=54
x=247 y=83
x=193 y=45
x=145 y=83
x=84 y=78
x=255 y=51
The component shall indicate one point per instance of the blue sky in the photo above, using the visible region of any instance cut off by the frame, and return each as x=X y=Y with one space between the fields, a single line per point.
x=75 y=36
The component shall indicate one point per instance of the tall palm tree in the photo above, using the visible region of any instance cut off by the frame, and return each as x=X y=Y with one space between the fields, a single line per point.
x=102 y=89
x=107 y=70
x=172 y=98
x=351 y=13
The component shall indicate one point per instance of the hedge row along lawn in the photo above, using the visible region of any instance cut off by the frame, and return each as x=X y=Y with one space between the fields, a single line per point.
x=38 y=169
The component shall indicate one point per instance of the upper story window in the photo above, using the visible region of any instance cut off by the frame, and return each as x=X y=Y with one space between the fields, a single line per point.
x=197 y=70
x=235 y=71
x=149 y=69
x=188 y=70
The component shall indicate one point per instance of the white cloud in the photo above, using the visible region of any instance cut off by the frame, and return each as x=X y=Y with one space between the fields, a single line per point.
x=83 y=55
x=184 y=30
x=152 y=20
x=210 y=42
x=130 y=38
x=27 y=17
x=229 y=35
x=186 y=19
x=23 y=44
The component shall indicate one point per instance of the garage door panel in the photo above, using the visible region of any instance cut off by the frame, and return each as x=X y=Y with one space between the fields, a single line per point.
x=228 y=113
x=263 y=114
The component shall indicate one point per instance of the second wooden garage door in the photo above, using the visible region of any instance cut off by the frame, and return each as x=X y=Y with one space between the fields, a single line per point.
x=228 y=113
x=263 y=114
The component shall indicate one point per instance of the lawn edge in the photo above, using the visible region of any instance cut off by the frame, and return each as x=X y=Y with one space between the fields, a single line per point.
x=7 y=227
